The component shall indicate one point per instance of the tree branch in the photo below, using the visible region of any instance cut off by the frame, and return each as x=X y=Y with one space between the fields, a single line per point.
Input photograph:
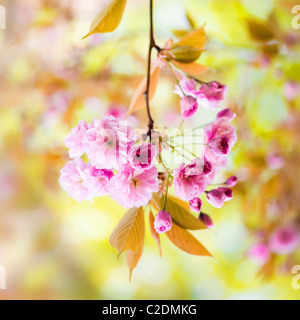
x=146 y=94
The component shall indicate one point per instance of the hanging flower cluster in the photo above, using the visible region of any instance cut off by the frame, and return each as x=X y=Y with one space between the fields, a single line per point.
x=131 y=166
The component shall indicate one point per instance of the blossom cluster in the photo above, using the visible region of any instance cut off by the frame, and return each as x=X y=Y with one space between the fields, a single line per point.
x=124 y=164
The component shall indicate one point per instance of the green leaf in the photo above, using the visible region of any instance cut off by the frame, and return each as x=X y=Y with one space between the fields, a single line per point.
x=260 y=31
x=186 y=54
x=109 y=17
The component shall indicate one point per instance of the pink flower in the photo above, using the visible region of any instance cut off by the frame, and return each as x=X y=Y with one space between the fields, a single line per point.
x=142 y=157
x=134 y=188
x=274 y=162
x=206 y=219
x=75 y=140
x=220 y=138
x=189 y=106
x=259 y=253
x=188 y=86
x=217 y=197
x=211 y=94
x=189 y=181
x=219 y=146
x=285 y=240
x=291 y=90
x=163 y=222
x=72 y=178
x=196 y=204
x=226 y=114
x=108 y=142
x=232 y=181
x=97 y=181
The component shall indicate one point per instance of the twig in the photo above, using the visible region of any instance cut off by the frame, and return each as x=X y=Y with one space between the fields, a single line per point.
x=146 y=94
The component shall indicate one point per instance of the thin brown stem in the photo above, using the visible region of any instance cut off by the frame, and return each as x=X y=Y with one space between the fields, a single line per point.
x=146 y=94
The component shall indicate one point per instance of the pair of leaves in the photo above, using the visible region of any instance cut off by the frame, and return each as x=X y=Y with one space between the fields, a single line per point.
x=182 y=220
x=189 y=48
x=129 y=235
x=109 y=17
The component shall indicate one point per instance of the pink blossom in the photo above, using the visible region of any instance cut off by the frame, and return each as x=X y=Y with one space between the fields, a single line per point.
x=134 y=188
x=285 y=240
x=75 y=140
x=211 y=94
x=220 y=137
x=259 y=253
x=219 y=146
x=291 y=90
x=163 y=222
x=142 y=156
x=232 y=181
x=188 y=86
x=196 y=204
x=189 y=181
x=72 y=177
x=217 y=197
x=97 y=181
x=108 y=142
x=226 y=114
x=206 y=219
x=274 y=162
x=189 y=106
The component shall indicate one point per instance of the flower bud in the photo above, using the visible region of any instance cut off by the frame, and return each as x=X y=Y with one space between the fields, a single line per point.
x=206 y=219
x=232 y=181
x=196 y=204
x=163 y=222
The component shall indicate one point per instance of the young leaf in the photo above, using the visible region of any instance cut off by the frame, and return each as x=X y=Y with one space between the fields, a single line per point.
x=130 y=232
x=155 y=235
x=179 y=211
x=193 y=69
x=138 y=100
x=186 y=241
x=132 y=260
x=109 y=17
x=195 y=39
x=186 y=54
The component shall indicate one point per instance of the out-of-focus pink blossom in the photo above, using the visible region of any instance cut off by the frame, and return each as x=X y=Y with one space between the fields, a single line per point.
x=274 y=162
x=206 y=219
x=108 y=141
x=217 y=197
x=75 y=140
x=134 y=188
x=196 y=204
x=72 y=179
x=285 y=240
x=142 y=156
x=189 y=181
x=189 y=106
x=291 y=90
x=259 y=253
x=163 y=222
x=226 y=114
x=232 y=181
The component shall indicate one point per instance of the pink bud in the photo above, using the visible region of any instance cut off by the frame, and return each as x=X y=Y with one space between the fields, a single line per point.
x=207 y=168
x=196 y=204
x=206 y=219
x=232 y=181
x=226 y=114
x=220 y=146
x=189 y=106
x=163 y=222
x=217 y=197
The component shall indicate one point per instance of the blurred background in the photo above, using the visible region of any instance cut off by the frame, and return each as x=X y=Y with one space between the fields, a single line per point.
x=55 y=248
